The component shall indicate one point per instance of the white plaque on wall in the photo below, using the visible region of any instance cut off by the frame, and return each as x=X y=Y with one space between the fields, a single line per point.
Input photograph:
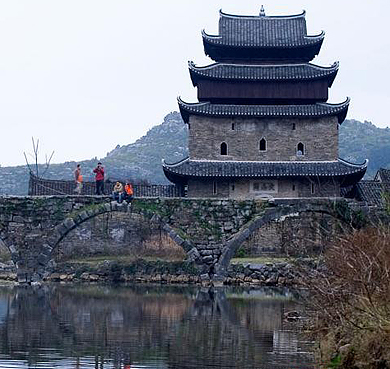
x=264 y=186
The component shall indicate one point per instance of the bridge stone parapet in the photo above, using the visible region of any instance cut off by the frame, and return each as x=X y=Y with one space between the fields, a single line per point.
x=210 y=231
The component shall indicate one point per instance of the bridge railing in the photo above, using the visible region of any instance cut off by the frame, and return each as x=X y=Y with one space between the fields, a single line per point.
x=44 y=187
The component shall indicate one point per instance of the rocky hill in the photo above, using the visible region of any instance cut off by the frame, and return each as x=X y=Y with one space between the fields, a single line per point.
x=141 y=160
x=137 y=161
x=359 y=141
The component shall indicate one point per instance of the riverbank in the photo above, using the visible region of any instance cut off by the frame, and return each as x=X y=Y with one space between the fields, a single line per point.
x=267 y=273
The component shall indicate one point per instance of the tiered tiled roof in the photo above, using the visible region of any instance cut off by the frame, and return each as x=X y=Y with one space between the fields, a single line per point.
x=187 y=168
x=262 y=38
x=264 y=111
x=275 y=72
x=262 y=31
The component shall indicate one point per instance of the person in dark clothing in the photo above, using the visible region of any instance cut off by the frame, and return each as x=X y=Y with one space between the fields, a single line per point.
x=99 y=178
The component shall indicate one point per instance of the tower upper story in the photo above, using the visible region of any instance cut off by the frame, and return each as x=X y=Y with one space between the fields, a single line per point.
x=259 y=39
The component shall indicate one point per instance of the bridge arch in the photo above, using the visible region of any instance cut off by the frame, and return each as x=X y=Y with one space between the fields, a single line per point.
x=273 y=214
x=72 y=222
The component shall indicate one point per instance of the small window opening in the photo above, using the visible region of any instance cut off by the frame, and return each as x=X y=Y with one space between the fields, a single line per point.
x=232 y=186
x=293 y=126
x=300 y=149
x=312 y=188
x=189 y=126
x=293 y=187
x=223 y=148
x=233 y=127
x=263 y=145
x=214 y=188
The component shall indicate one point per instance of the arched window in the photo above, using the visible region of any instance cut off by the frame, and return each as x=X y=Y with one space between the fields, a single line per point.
x=300 y=149
x=263 y=145
x=224 y=148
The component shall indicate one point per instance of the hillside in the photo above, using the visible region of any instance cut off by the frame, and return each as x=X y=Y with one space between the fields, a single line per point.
x=141 y=160
x=359 y=141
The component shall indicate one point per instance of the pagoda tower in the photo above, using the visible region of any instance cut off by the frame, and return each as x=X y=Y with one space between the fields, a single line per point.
x=262 y=127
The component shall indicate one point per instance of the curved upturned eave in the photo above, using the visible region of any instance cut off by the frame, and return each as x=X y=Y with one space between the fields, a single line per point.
x=219 y=51
x=203 y=72
x=264 y=111
x=217 y=40
x=353 y=172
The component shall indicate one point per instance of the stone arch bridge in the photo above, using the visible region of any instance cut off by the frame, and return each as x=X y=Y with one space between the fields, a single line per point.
x=209 y=230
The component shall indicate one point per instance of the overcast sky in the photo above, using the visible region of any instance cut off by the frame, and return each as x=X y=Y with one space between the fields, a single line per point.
x=86 y=75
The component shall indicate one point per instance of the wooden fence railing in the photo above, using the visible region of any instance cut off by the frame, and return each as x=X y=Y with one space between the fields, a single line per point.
x=44 y=187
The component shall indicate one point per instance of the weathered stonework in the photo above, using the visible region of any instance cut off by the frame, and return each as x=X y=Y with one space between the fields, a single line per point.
x=319 y=136
x=210 y=231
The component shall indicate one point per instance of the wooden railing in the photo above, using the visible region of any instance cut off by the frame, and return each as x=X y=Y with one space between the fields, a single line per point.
x=44 y=187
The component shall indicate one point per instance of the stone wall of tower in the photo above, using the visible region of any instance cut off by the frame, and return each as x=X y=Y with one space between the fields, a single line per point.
x=243 y=135
x=252 y=188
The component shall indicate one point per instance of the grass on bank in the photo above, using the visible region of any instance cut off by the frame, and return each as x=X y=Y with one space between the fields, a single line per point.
x=259 y=260
x=130 y=258
x=122 y=259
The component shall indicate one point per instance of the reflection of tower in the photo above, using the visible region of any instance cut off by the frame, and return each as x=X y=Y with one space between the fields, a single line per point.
x=285 y=342
x=4 y=307
x=262 y=126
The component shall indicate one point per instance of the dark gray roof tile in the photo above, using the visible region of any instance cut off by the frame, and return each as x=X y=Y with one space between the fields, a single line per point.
x=266 y=169
x=275 y=72
x=264 y=111
x=383 y=175
x=262 y=31
x=372 y=192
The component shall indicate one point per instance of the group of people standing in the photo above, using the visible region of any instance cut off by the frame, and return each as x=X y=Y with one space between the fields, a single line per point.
x=119 y=192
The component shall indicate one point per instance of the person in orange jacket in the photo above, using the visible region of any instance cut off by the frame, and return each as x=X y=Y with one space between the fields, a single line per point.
x=129 y=192
x=79 y=179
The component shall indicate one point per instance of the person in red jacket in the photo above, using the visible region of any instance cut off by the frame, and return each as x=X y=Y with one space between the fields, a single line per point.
x=99 y=178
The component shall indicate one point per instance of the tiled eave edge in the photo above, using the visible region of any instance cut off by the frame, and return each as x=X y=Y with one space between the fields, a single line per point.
x=264 y=111
x=262 y=73
x=302 y=169
x=306 y=41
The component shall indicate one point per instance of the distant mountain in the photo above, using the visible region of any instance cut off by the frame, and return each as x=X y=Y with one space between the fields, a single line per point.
x=141 y=160
x=359 y=141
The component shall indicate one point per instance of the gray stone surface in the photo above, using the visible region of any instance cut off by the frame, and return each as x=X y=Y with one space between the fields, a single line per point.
x=212 y=229
x=319 y=135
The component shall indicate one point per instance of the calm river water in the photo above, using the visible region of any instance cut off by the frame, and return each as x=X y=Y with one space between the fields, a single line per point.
x=78 y=326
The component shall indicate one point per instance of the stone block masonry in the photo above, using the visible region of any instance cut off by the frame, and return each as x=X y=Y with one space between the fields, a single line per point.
x=210 y=231
x=319 y=136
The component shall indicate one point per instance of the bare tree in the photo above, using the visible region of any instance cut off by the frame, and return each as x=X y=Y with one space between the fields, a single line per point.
x=35 y=158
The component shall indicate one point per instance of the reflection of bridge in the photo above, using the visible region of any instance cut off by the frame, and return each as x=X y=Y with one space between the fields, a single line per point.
x=183 y=327
x=210 y=231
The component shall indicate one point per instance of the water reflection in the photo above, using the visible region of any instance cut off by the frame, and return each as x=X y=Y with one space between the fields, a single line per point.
x=148 y=327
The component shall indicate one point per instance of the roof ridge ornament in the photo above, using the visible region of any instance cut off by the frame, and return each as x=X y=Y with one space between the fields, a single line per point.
x=262 y=11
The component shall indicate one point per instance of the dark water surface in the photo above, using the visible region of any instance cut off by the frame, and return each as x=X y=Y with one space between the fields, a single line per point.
x=78 y=326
